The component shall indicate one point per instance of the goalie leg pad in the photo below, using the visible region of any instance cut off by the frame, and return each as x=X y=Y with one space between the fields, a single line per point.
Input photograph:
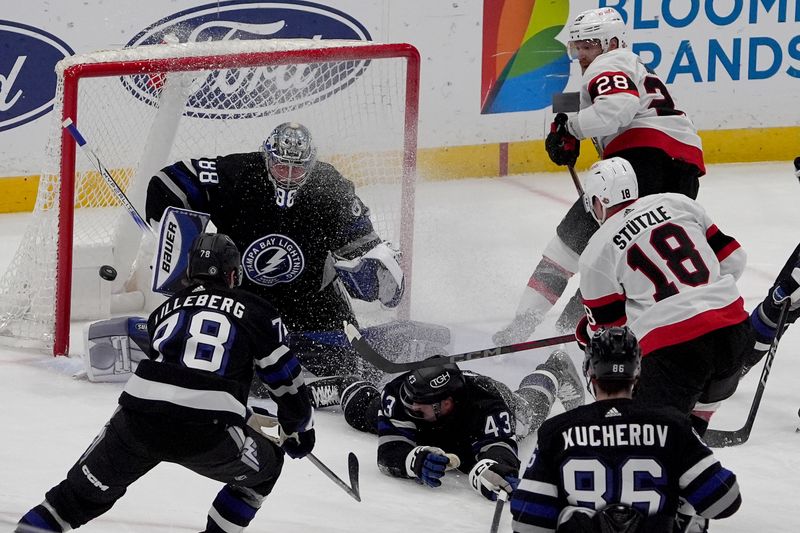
x=408 y=340
x=114 y=348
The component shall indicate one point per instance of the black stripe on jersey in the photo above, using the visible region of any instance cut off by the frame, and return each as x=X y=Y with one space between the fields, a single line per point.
x=607 y=311
x=714 y=493
x=722 y=244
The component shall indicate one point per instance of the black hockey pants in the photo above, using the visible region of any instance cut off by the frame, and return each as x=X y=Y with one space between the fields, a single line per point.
x=131 y=444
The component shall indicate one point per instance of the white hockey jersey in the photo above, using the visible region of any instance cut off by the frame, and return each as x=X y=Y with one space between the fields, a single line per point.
x=662 y=267
x=625 y=106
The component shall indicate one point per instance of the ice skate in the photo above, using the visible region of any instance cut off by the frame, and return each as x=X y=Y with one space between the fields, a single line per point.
x=570 y=387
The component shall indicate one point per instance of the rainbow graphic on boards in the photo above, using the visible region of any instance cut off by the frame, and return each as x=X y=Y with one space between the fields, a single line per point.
x=523 y=64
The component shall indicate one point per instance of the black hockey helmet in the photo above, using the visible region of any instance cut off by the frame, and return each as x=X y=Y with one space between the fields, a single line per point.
x=431 y=384
x=212 y=258
x=613 y=354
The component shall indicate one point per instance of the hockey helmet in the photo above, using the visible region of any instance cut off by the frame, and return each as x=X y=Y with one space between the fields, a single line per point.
x=601 y=25
x=612 y=181
x=212 y=258
x=430 y=385
x=613 y=354
x=290 y=154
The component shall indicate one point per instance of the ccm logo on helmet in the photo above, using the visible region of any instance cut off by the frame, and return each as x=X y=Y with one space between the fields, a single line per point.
x=441 y=380
x=257 y=91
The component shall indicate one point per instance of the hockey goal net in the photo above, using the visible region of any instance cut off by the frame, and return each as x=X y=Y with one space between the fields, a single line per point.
x=143 y=108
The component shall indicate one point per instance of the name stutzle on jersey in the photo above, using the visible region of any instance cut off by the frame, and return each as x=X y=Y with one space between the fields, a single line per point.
x=616 y=435
x=639 y=223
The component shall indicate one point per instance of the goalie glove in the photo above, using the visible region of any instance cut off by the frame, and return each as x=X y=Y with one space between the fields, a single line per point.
x=375 y=275
x=488 y=477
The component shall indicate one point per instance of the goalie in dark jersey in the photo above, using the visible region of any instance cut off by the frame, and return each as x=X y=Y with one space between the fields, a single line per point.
x=187 y=403
x=305 y=236
x=617 y=465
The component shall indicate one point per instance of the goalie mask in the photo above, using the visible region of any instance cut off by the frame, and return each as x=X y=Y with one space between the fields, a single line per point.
x=600 y=25
x=214 y=258
x=610 y=182
x=290 y=154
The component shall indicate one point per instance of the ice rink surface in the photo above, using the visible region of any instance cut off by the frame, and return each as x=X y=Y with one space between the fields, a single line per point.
x=477 y=242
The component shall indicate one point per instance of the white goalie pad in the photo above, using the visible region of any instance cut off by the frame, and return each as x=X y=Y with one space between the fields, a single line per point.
x=375 y=275
x=114 y=348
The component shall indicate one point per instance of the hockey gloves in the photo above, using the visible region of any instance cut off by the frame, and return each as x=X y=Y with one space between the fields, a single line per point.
x=562 y=147
x=298 y=444
x=427 y=465
x=488 y=477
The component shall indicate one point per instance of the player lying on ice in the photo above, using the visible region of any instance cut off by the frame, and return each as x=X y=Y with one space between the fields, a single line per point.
x=434 y=419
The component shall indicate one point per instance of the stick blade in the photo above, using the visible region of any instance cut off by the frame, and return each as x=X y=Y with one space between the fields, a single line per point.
x=723 y=439
x=352 y=470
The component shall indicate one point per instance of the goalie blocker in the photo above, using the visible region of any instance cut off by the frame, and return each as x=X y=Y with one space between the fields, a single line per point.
x=375 y=275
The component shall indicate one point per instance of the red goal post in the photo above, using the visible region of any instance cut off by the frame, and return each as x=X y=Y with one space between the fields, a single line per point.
x=146 y=107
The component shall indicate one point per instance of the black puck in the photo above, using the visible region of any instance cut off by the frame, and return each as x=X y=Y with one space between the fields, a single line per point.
x=107 y=272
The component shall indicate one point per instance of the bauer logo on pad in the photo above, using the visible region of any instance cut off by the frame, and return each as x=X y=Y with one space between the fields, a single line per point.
x=179 y=227
x=254 y=91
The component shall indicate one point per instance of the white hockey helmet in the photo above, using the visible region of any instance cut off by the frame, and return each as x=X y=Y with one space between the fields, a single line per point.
x=290 y=154
x=602 y=25
x=612 y=181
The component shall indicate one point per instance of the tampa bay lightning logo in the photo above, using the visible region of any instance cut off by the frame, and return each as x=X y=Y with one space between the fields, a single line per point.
x=273 y=259
x=256 y=91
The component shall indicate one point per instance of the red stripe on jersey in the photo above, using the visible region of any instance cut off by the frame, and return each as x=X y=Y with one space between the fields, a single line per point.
x=652 y=138
x=728 y=250
x=694 y=327
x=618 y=323
x=711 y=231
x=612 y=83
x=604 y=300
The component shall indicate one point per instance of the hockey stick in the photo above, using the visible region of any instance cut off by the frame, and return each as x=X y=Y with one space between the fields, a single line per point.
x=72 y=129
x=262 y=417
x=717 y=438
x=502 y=497
x=369 y=354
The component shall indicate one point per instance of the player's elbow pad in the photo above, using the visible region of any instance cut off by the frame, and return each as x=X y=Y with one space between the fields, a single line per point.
x=374 y=276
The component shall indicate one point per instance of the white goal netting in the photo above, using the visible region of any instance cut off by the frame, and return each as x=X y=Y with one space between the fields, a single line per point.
x=143 y=108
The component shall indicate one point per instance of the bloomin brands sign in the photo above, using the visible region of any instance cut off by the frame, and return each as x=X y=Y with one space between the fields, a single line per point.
x=692 y=42
x=28 y=57
x=258 y=91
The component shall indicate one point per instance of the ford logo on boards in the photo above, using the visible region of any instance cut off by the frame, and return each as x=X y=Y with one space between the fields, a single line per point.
x=28 y=57
x=258 y=91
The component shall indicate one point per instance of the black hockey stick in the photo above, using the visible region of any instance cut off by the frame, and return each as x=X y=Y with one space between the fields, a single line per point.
x=502 y=497
x=262 y=417
x=369 y=354
x=717 y=438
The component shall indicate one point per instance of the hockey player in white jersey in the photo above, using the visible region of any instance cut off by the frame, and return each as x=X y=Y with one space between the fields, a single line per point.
x=628 y=112
x=661 y=266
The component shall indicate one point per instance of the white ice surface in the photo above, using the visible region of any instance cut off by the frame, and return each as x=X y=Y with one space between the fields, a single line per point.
x=477 y=242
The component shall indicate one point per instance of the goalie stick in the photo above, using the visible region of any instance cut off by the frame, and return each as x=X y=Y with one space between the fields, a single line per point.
x=90 y=154
x=369 y=354
x=717 y=438
x=262 y=417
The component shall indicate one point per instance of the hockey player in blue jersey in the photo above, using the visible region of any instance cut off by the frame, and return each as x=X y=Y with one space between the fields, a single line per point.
x=187 y=403
x=617 y=465
x=433 y=419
